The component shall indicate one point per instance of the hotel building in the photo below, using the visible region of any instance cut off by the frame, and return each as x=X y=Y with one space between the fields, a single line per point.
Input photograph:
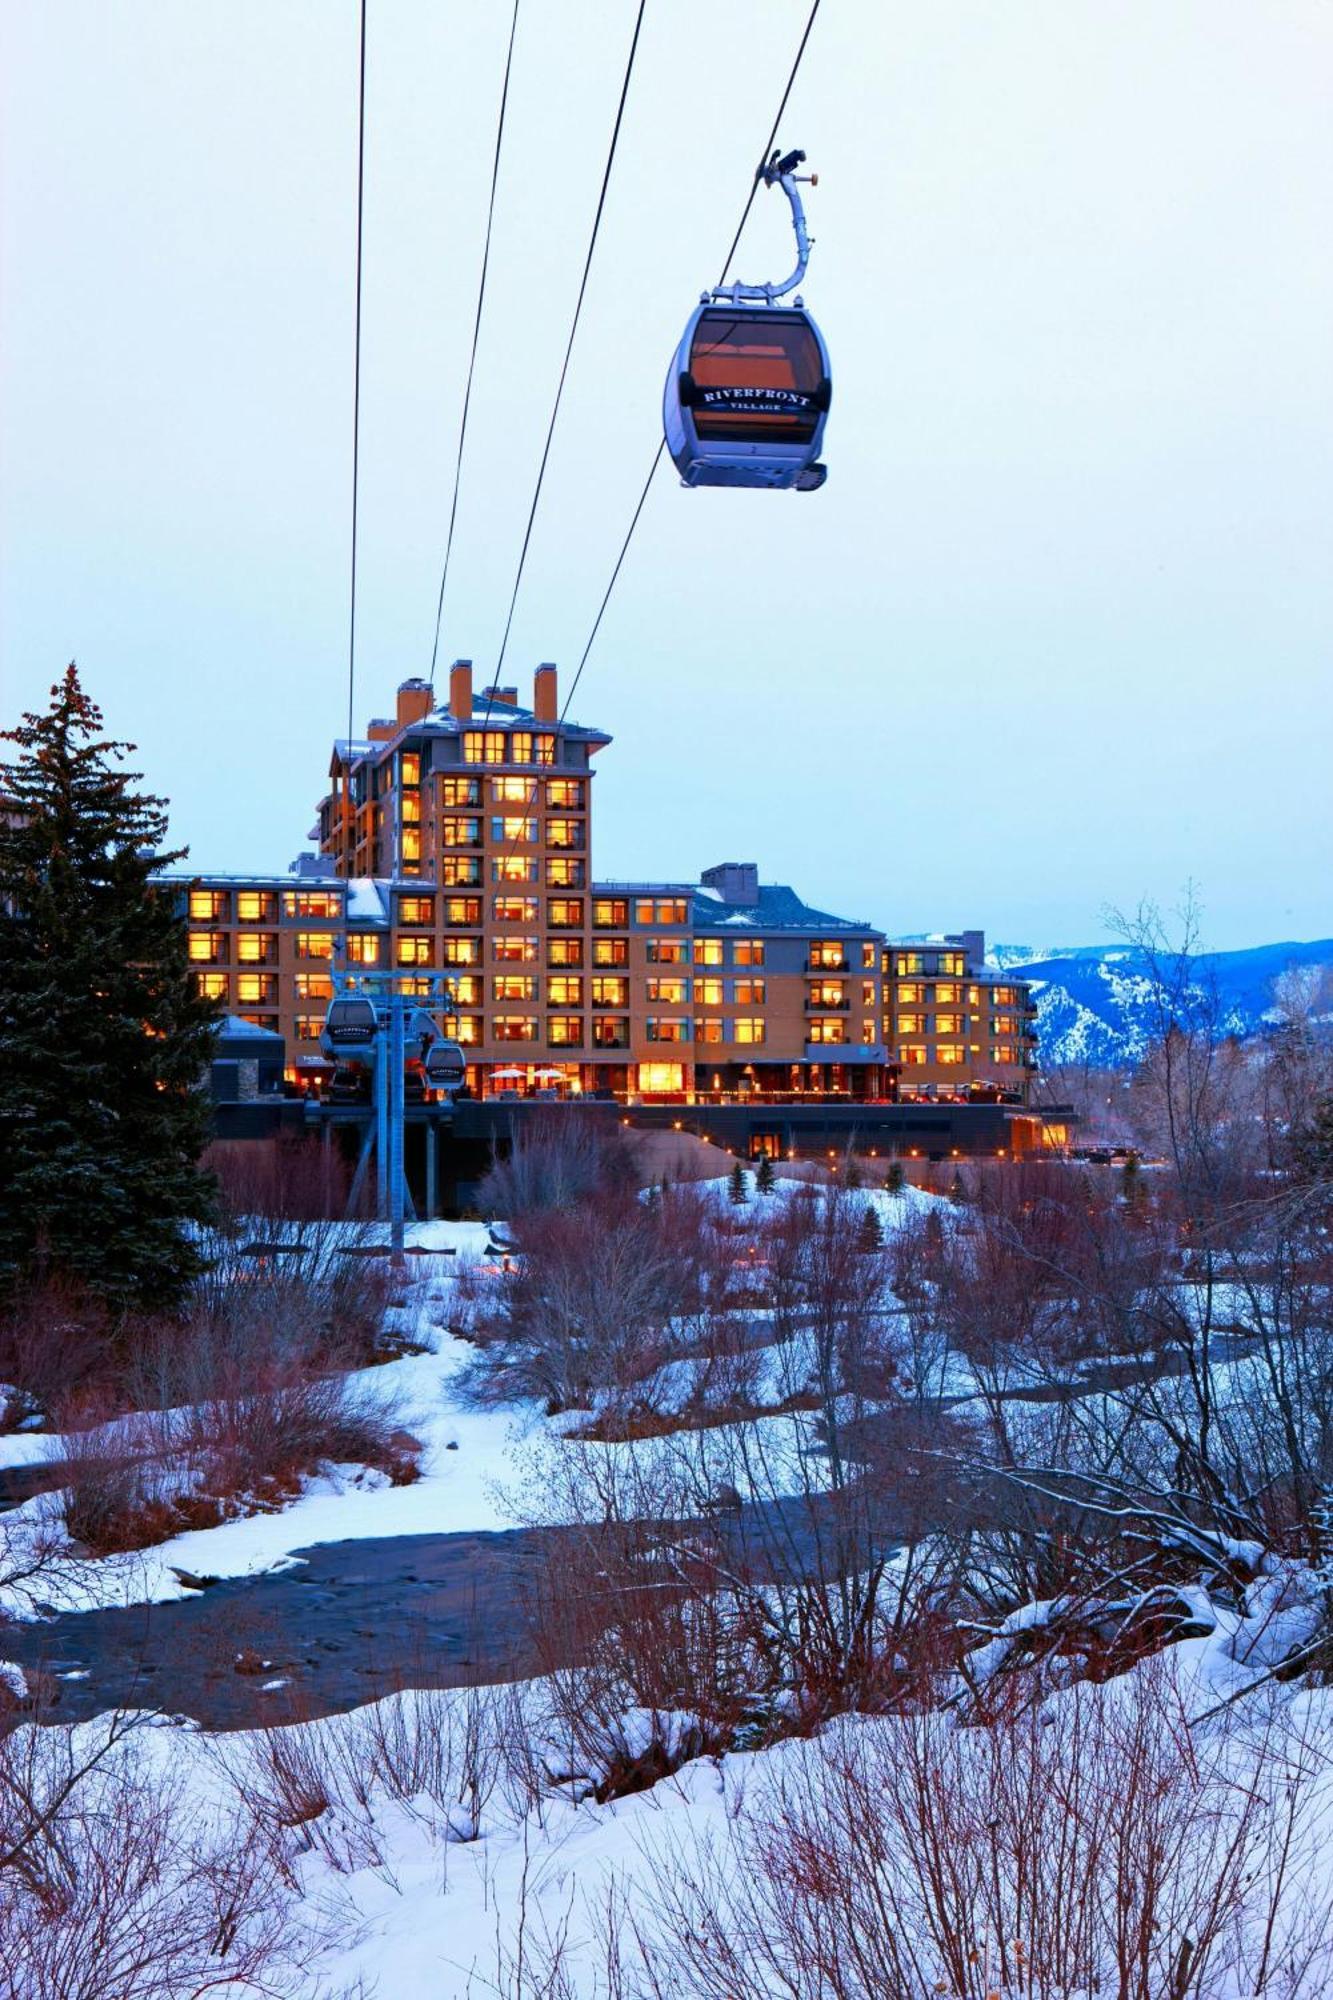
x=458 y=838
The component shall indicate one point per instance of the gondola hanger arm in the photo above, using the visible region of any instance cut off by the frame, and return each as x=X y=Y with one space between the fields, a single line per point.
x=778 y=171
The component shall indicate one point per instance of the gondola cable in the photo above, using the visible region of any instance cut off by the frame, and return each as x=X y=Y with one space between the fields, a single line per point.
x=356 y=375
x=476 y=334
x=512 y=848
x=569 y=348
x=661 y=447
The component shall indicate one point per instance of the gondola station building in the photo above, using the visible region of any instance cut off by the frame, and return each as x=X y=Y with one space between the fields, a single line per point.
x=456 y=837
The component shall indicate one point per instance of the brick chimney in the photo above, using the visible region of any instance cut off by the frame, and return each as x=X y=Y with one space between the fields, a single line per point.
x=502 y=697
x=545 y=699
x=460 y=690
x=415 y=700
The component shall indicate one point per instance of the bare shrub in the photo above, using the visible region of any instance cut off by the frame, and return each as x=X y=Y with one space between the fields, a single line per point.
x=590 y=1302
x=56 y=1341
x=138 y=1479
x=293 y=1177
x=116 y=1883
x=559 y=1161
x=1102 y=1846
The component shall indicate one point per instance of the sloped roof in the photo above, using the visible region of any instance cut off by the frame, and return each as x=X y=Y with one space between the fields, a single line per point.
x=779 y=908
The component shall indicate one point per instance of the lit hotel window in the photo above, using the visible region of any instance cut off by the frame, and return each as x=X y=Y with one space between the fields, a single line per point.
x=564 y=951
x=256 y=947
x=610 y=992
x=208 y=947
x=565 y=794
x=211 y=985
x=610 y=913
x=461 y=951
x=462 y=910
x=483 y=746
x=312 y=903
x=747 y=951
x=414 y=950
x=513 y=986
x=671 y=991
x=513 y=791
x=514 y=950
x=564 y=1031
x=749 y=1029
x=363 y=949
x=514 y=909
x=662 y=910
x=564 y=991
x=313 y=986
x=207 y=905
x=416 y=910
x=460 y=871
x=314 y=944
x=708 y=992
x=514 y=868
x=513 y=828
x=610 y=951
x=708 y=1030
x=749 y=992
x=950 y=1054
x=668 y=1028
x=565 y=913
x=460 y=792
x=514 y=1028
x=256 y=906
x=708 y=951
x=563 y=871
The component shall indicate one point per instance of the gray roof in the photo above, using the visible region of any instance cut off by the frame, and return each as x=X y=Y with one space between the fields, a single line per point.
x=779 y=909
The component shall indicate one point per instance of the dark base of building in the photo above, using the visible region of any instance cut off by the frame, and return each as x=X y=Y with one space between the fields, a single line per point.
x=449 y=1148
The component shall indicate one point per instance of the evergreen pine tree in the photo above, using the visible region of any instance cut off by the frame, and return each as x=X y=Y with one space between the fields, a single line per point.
x=895 y=1180
x=765 y=1180
x=736 y=1186
x=855 y=1173
x=870 y=1236
x=103 y=1042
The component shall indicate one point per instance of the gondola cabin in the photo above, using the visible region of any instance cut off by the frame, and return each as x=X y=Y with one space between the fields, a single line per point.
x=747 y=398
x=446 y=1067
x=348 y=1034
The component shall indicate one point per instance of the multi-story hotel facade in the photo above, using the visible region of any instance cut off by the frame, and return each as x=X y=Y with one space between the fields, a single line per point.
x=457 y=839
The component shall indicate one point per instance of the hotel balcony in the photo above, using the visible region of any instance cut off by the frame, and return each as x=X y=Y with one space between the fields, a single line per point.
x=818 y=966
x=844 y=1052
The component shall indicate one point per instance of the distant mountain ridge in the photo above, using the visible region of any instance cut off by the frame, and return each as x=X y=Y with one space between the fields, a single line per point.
x=1094 y=1002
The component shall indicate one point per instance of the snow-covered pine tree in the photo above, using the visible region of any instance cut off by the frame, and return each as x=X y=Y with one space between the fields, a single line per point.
x=103 y=1042
x=765 y=1178
x=736 y=1187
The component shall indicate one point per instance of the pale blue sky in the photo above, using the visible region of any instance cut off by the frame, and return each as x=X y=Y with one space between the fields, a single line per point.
x=1055 y=634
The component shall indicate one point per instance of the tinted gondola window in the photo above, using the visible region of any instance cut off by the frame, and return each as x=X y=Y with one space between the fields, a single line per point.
x=756 y=375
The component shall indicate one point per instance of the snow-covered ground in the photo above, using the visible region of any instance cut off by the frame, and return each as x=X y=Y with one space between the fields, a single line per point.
x=480 y=1470
x=429 y=1865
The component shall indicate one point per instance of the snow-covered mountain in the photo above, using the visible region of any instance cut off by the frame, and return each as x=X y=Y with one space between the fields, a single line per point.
x=1094 y=1002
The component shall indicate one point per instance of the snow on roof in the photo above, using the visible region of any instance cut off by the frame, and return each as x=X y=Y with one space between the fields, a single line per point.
x=233 y=1025
x=779 y=908
x=365 y=901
